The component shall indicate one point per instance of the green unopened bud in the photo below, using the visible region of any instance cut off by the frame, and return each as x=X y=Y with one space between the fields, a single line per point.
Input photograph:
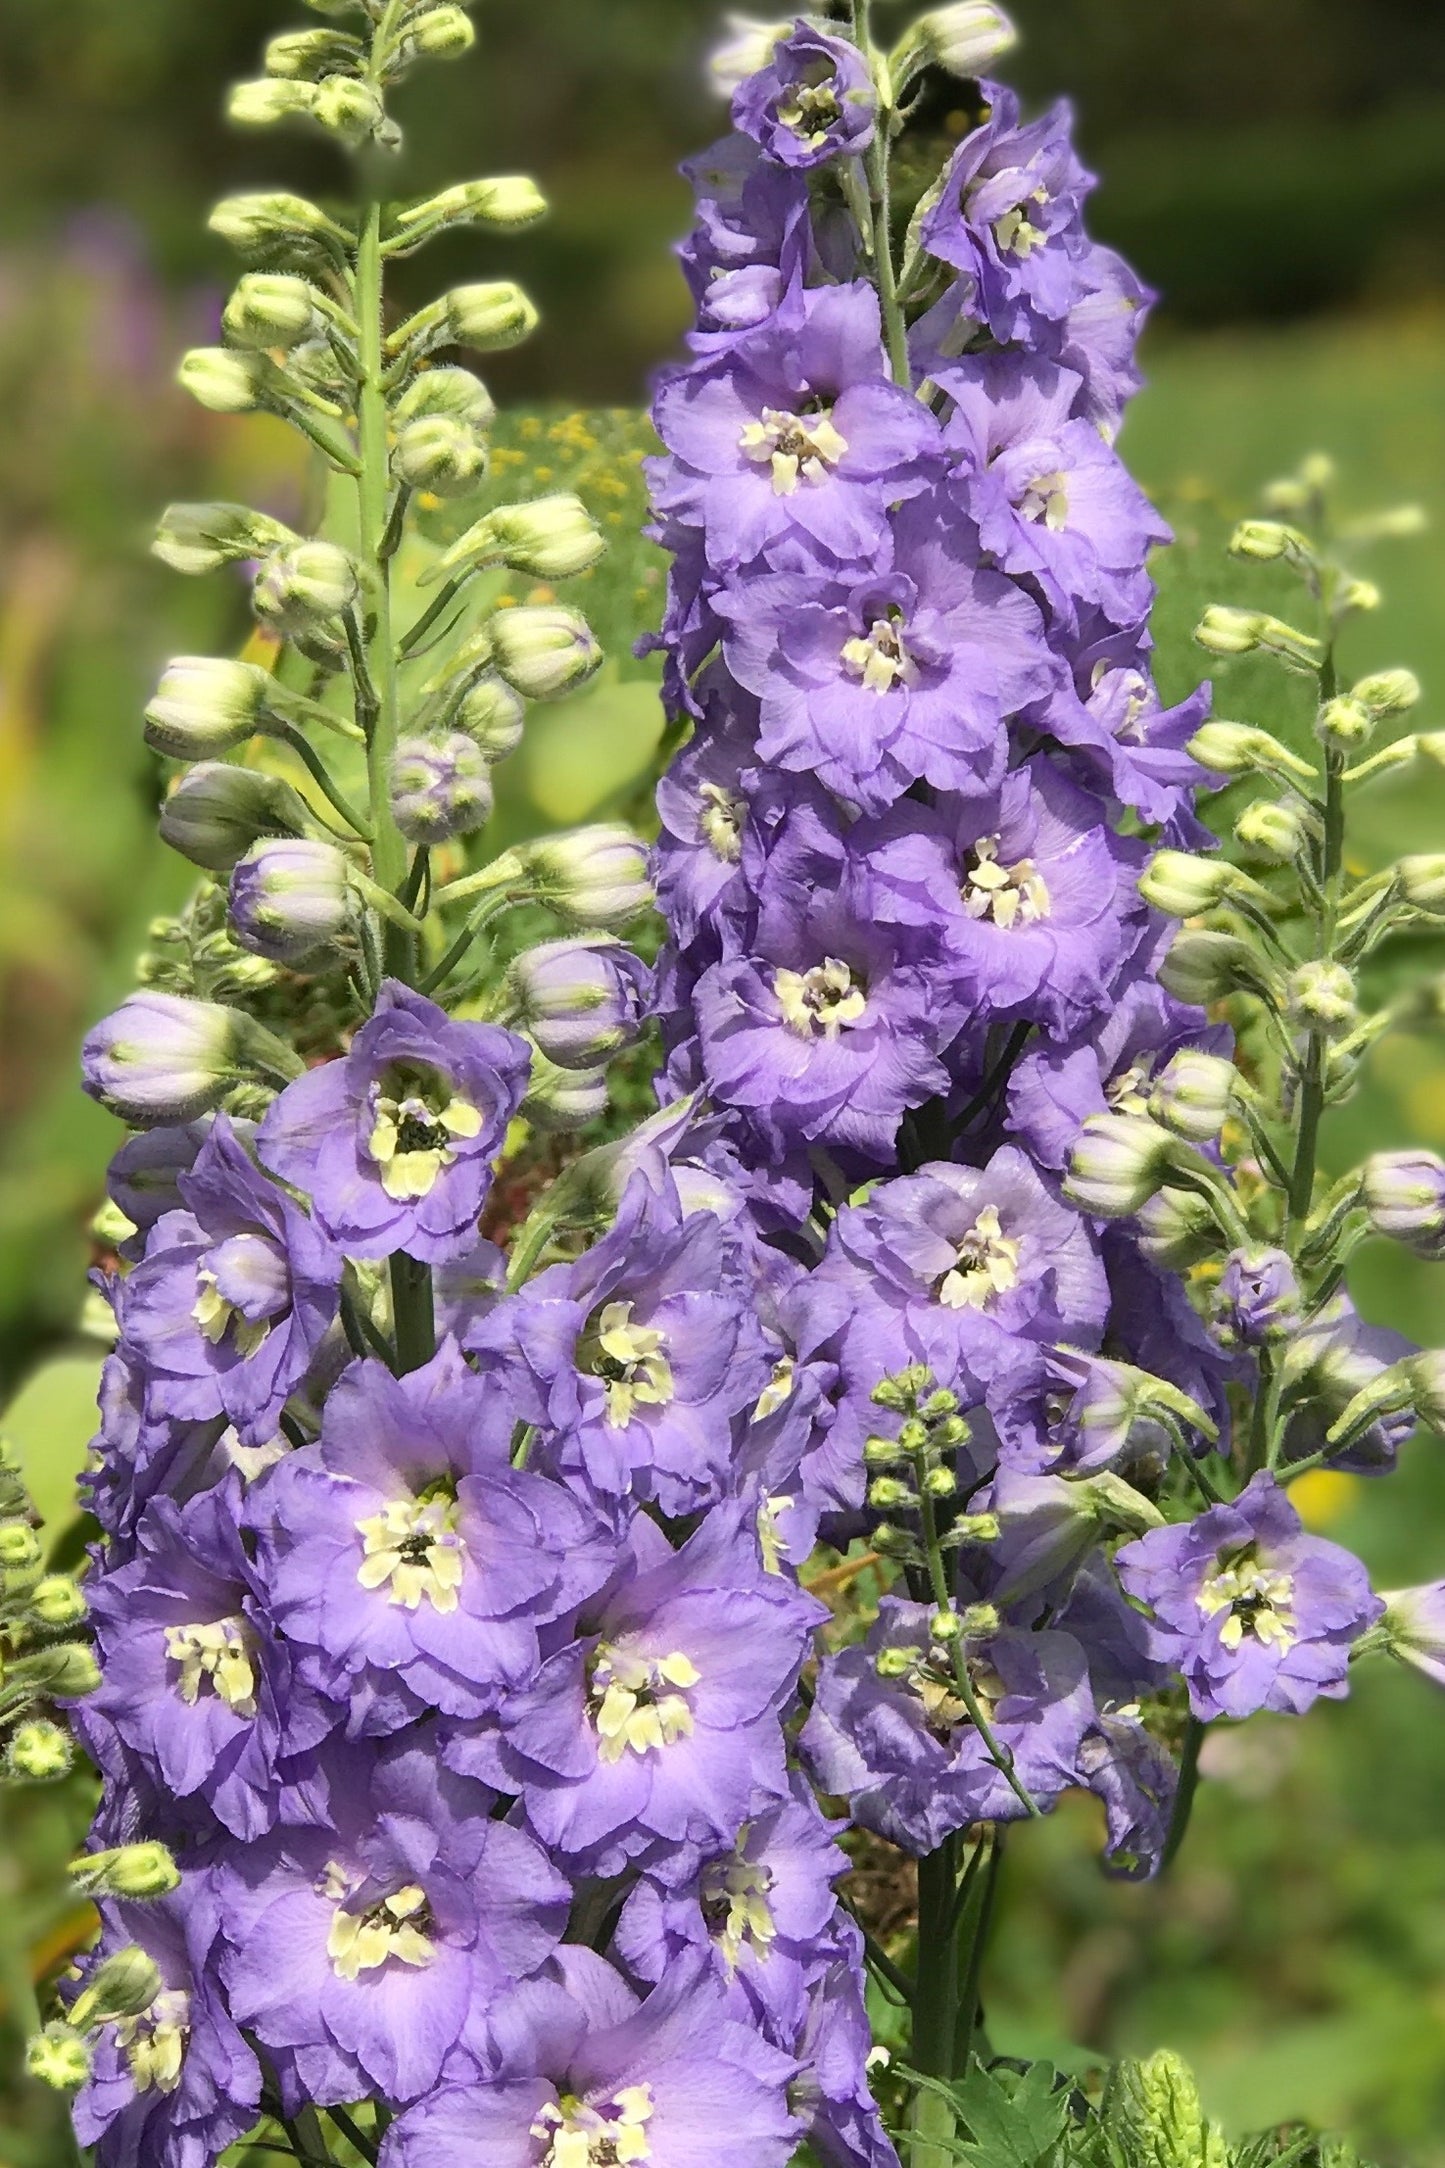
x=262 y=103
x=139 y=1871
x=1183 y=885
x=1240 y=748
x=1344 y=723
x=1224 y=631
x=506 y=204
x=271 y=309
x=1266 y=541
x=66 y=1672
x=59 y=2058
x=545 y=652
x=441 y=33
x=20 y=1548
x=205 y=705
x=1271 y=832
x=307 y=55
x=440 y=424
x=1387 y=692
x=122 y=1986
x=1118 y=1162
x=492 y=715
x=1193 y=1095
x=937 y=1405
x=489 y=317
x=1421 y=881
x=1355 y=597
x=945 y=1626
x=980 y=1621
x=227 y=382
x=888 y=1493
x=881 y=1453
x=216 y=812
x=966 y=39
x=351 y=109
x=38 y=1752
x=1321 y=997
x=913 y=1435
x=57 y=1603
x=552 y=538
x=304 y=587
x=940 y=1483
x=1204 y=966
x=197 y=538
x=268 y=228
x=890 y=1541
x=896 y=1663
x=901 y=1390
x=564 y=1099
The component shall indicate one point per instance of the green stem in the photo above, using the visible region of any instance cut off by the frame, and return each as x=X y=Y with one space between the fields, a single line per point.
x=412 y=1315
x=316 y=768
x=969 y=2007
x=935 y=2005
x=938 y=1582
x=895 y=328
x=1184 y=1797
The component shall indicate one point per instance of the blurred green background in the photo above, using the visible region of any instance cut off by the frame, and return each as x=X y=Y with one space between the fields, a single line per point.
x=1277 y=167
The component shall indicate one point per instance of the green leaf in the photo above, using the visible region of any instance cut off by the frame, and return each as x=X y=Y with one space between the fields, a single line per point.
x=1014 y=2123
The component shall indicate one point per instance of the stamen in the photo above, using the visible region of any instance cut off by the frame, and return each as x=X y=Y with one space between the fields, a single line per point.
x=412 y=1547
x=986 y=1265
x=219 y=1654
x=1016 y=895
x=798 y=448
x=825 y=999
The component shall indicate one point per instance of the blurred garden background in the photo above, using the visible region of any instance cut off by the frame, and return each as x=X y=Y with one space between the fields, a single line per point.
x=1277 y=168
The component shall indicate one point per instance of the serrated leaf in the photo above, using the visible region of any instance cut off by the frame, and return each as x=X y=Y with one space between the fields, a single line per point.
x=1015 y=2128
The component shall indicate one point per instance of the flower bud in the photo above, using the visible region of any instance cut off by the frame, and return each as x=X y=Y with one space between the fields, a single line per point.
x=267 y=227
x=206 y=704
x=564 y=1099
x=1224 y=631
x=1265 y=541
x=1344 y=723
x=1256 y=1299
x=1182 y=885
x=139 y=1871
x=349 y=108
x=20 y=1548
x=580 y=1001
x=66 y=1672
x=489 y=317
x=303 y=587
x=1404 y=1195
x=57 y=1603
x=440 y=787
x=307 y=55
x=289 y=897
x=38 y=1752
x=545 y=652
x=1238 y=748
x=966 y=39
x=59 y=2058
x=269 y=310
x=552 y=538
x=216 y=812
x=506 y=204
x=1154 y=2108
x=198 y=538
x=1193 y=1095
x=1352 y=596
x=440 y=426
x=596 y=877
x=121 y=1986
x=262 y=103
x=1413 y=1627
x=492 y=715
x=1273 y=832
x=1321 y=997
x=1119 y=1161
x=888 y=1492
x=748 y=48
x=161 y=1058
x=227 y=382
x=1387 y=693
x=1421 y=881
x=945 y=1626
x=441 y=33
x=1202 y=966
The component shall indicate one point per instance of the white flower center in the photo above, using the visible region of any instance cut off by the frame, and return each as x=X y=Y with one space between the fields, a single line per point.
x=881 y=658
x=1014 y=895
x=639 y=1702
x=1046 y=498
x=217 y=1317
x=1015 y=234
x=221 y=1655
x=987 y=1264
x=412 y=1548
x=631 y=1361
x=154 y=2043
x=824 y=999
x=734 y=1893
x=415 y=1129
x=779 y=1389
x=1128 y=1092
x=813 y=110
x=1257 y=1598
x=578 y=2135
x=720 y=821
x=798 y=447
x=397 y=1927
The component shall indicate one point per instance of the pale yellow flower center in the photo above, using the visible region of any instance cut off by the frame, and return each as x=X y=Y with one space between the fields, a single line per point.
x=986 y=1264
x=881 y=658
x=734 y=1893
x=217 y=1317
x=221 y=1655
x=1014 y=232
x=1257 y=1598
x=413 y=1549
x=1047 y=498
x=415 y=1133
x=631 y=1361
x=1128 y=1092
x=154 y=2042
x=812 y=111
x=720 y=822
x=770 y=1535
x=639 y=1702
x=798 y=447
x=1014 y=895
x=823 y=1000
x=398 y=1927
x=779 y=1389
x=577 y=2135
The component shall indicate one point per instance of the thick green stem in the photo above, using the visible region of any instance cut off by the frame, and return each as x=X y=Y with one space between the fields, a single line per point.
x=1184 y=1797
x=935 y=2005
x=412 y=1315
x=973 y=1947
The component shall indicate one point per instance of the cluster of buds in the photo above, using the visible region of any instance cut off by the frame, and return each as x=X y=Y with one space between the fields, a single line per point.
x=41 y=1659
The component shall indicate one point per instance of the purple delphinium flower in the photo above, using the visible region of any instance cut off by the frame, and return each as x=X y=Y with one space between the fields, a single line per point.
x=195 y=1688
x=1125 y=742
x=142 y=1176
x=136 y=1453
x=578 y=2070
x=814 y=100
x=660 y=1723
x=403 y=1556
x=764 y=1907
x=1008 y=218
x=394 y=1142
x=1136 y=1781
x=747 y=255
x=1256 y=1299
x=637 y=1362
x=1052 y=501
x=1254 y=1613
x=797 y=435
x=1029 y=889
x=360 y=1953
x=871 y=679
x=844 y=2127
x=1330 y=1359
x=969 y=1270
x=233 y=1296
x=904 y=1750
x=176 y=2084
